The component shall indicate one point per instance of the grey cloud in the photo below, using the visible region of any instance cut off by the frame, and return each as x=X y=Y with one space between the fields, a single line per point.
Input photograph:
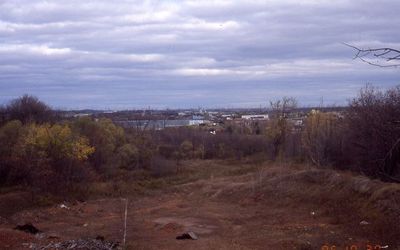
x=190 y=53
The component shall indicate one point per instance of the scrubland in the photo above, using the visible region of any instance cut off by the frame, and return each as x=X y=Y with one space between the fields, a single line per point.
x=331 y=182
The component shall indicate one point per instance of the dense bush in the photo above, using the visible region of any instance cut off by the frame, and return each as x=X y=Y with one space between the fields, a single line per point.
x=187 y=143
x=105 y=137
x=44 y=156
x=374 y=131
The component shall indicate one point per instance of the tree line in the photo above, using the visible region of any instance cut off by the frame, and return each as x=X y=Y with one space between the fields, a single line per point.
x=364 y=138
x=45 y=152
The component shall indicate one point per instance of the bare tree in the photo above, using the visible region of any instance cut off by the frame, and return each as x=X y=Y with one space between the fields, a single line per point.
x=381 y=57
x=278 y=126
x=2 y=114
x=28 y=109
x=374 y=130
x=282 y=107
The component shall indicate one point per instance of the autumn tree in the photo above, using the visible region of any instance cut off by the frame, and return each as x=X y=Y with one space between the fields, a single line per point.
x=9 y=134
x=49 y=157
x=128 y=156
x=322 y=137
x=105 y=137
x=186 y=149
x=278 y=126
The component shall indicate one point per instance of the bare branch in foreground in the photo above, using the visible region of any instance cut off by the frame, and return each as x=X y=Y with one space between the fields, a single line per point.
x=381 y=57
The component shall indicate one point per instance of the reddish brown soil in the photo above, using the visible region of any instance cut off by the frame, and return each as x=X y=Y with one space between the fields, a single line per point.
x=225 y=213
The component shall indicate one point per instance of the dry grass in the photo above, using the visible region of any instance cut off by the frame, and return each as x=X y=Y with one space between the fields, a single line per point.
x=342 y=196
x=277 y=198
x=346 y=199
x=139 y=182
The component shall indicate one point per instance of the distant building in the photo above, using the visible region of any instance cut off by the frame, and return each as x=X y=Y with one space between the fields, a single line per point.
x=255 y=117
x=195 y=122
x=227 y=117
x=81 y=115
x=160 y=124
x=297 y=121
x=197 y=117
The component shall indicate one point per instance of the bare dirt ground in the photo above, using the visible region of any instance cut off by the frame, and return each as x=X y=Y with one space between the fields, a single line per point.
x=231 y=212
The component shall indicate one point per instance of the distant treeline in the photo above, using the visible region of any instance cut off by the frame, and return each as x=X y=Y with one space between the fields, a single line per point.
x=47 y=153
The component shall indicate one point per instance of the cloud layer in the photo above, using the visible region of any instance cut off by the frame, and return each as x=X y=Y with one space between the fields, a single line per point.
x=134 y=54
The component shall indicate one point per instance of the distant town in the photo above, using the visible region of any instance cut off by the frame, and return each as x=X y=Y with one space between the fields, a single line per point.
x=215 y=119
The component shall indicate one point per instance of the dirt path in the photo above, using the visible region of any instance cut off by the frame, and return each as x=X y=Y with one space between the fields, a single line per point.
x=225 y=213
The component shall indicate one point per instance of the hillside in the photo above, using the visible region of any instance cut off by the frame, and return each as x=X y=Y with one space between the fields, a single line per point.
x=228 y=206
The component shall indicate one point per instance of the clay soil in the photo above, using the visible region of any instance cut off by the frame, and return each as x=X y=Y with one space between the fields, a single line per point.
x=227 y=212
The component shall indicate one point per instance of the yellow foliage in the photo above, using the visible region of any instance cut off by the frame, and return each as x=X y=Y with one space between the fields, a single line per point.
x=319 y=135
x=53 y=141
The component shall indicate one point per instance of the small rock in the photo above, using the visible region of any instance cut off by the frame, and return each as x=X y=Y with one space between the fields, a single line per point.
x=364 y=223
x=193 y=235
x=187 y=236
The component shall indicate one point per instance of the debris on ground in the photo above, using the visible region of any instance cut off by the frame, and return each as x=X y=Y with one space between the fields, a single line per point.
x=81 y=244
x=12 y=239
x=364 y=223
x=27 y=228
x=187 y=236
x=64 y=206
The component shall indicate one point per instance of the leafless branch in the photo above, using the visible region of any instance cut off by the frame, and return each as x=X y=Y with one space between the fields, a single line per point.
x=381 y=57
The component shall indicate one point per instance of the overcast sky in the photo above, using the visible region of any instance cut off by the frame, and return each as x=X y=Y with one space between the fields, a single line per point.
x=179 y=54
